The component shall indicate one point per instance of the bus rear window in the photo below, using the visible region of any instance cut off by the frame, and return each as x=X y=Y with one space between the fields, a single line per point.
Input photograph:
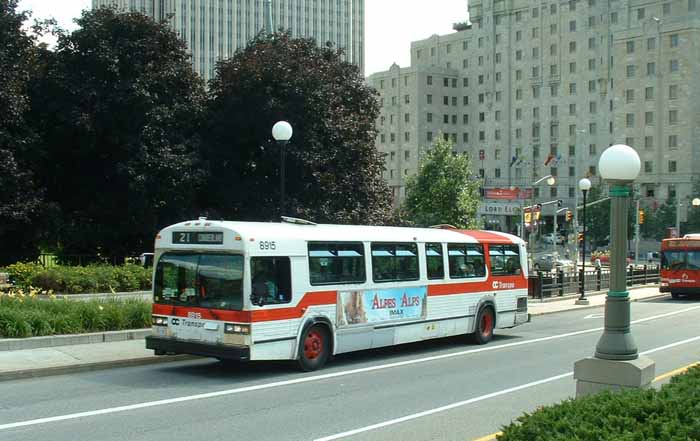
x=203 y=280
x=336 y=263
x=505 y=260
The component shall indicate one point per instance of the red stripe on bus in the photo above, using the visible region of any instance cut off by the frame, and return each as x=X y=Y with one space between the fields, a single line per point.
x=309 y=299
x=477 y=287
x=486 y=236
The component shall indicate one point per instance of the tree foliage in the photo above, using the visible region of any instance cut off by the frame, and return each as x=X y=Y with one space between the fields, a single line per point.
x=656 y=220
x=333 y=170
x=598 y=217
x=119 y=109
x=445 y=189
x=20 y=198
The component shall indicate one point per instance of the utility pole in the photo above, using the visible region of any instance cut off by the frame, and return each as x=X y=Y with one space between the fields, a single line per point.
x=636 y=235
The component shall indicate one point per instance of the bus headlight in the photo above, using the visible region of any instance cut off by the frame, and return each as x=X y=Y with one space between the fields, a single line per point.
x=159 y=321
x=232 y=328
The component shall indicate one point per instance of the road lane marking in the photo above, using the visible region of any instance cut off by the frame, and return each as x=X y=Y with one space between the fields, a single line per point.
x=443 y=408
x=675 y=372
x=680 y=370
x=595 y=316
x=227 y=392
x=477 y=399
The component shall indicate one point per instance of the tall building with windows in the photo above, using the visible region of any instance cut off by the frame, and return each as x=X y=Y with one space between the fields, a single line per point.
x=215 y=29
x=531 y=90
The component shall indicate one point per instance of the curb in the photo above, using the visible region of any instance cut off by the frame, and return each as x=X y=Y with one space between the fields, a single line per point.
x=583 y=307
x=50 y=341
x=69 y=369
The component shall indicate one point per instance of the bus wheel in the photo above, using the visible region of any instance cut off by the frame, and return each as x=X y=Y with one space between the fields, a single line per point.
x=314 y=348
x=484 y=325
x=675 y=295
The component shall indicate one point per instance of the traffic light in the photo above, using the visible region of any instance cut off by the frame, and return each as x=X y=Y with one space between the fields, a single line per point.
x=528 y=217
x=641 y=217
x=580 y=237
x=569 y=215
x=559 y=203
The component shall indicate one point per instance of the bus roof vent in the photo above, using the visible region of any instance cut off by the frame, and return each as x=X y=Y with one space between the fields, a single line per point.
x=444 y=227
x=202 y=218
x=692 y=236
x=294 y=220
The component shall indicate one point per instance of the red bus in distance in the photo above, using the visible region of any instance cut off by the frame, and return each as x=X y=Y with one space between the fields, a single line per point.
x=680 y=265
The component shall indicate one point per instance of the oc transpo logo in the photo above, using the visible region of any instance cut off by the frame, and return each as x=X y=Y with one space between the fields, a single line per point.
x=684 y=277
x=503 y=285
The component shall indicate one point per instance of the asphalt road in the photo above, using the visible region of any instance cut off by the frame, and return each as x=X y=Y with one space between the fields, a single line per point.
x=448 y=389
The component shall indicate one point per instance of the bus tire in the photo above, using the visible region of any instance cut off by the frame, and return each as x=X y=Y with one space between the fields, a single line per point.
x=675 y=295
x=485 y=322
x=314 y=348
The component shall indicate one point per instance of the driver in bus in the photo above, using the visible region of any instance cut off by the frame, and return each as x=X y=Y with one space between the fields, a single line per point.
x=264 y=286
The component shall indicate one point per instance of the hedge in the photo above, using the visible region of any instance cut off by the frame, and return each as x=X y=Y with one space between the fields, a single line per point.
x=669 y=414
x=81 y=279
x=22 y=314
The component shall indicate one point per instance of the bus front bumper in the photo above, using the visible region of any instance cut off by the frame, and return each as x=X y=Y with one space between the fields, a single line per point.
x=163 y=346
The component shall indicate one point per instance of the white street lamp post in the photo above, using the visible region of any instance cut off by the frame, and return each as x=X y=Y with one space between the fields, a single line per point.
x=616 y=364
x=282 y=132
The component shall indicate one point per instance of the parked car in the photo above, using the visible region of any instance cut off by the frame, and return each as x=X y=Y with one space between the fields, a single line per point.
x=549 y=262
x=550 y=239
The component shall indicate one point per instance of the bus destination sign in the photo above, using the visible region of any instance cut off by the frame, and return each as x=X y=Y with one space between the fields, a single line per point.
x=198 y=238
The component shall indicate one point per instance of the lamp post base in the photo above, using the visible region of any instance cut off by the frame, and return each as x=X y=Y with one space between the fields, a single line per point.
x=594 y=375
x=582 y=302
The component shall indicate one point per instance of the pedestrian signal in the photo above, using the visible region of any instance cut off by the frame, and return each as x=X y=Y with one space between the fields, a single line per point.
x=569 y=215
x=641 y=217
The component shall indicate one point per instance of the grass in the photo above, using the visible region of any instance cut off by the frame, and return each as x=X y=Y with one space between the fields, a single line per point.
x=22 y=315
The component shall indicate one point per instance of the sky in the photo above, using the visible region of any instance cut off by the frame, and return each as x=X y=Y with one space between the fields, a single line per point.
x=390 y=25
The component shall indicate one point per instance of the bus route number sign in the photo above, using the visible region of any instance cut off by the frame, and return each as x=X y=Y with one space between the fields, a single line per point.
x=198 y=238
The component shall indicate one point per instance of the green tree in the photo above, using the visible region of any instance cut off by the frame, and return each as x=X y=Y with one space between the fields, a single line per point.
x=445 y=189
x=21 y=199
x=598 y=217
x=692 y=224
x=656 y=220
x=119 y=109
x=333 y=169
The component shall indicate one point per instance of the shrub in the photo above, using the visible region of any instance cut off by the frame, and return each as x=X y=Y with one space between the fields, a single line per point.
x=81 y=279
x=669 y=414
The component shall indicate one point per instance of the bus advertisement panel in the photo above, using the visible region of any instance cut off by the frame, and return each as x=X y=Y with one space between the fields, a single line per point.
x=382 y=305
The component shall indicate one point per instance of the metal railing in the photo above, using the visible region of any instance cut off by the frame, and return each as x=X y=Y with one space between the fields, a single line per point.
x=51 y=260
x=560 y=283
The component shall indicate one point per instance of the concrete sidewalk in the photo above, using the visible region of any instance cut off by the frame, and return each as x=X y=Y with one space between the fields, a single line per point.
x=595 y=299
x=83 y=357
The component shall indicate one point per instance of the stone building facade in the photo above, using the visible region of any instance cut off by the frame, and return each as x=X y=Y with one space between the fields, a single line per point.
x=535 y=89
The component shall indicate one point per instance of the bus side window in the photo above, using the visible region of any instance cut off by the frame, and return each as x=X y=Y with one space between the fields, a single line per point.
x=271 y=280
x=433 y=260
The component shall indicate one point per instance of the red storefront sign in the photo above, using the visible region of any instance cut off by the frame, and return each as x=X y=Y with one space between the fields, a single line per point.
x=507 y=193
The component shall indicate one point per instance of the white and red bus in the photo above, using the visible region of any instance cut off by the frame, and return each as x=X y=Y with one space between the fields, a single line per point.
x=680 y=265
x=300 y=291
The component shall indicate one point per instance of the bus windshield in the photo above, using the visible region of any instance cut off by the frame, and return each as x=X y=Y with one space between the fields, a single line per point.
x=203 y=280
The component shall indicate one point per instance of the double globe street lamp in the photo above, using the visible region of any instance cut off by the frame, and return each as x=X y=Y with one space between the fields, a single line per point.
x=616 y=364
x=282 y=132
